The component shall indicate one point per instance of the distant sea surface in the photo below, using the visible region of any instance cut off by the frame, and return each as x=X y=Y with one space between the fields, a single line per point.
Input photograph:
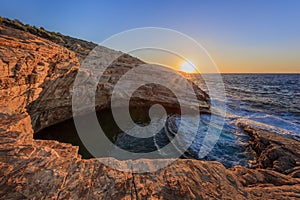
x=273 y=99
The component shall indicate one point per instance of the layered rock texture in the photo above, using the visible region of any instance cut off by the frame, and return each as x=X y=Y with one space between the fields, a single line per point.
x=36 y=82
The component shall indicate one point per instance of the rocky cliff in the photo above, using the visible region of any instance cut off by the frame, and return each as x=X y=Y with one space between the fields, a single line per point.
x=35 y=88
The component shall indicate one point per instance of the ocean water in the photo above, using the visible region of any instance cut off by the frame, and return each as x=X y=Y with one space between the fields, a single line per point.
x=270 y=100
x=273 y=99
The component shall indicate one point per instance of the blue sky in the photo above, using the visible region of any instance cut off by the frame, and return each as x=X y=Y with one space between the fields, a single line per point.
x=241 y=35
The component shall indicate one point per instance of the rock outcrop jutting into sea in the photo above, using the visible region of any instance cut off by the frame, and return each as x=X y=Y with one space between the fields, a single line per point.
x=37 y=73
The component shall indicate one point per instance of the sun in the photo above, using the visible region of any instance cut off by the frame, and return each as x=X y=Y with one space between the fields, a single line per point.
x=188 y=67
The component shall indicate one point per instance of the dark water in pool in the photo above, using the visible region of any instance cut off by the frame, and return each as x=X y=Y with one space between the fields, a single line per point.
x=272 y=99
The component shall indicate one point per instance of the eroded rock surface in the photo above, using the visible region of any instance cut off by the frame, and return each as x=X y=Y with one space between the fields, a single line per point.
x=35 y=87
x=37 y=77
x=274 y=152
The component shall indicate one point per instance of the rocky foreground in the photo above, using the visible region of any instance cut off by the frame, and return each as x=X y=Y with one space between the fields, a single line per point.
x=35 y=88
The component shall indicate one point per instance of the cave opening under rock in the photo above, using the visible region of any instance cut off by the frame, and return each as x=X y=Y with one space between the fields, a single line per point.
x=139 y=110
x=66 y=132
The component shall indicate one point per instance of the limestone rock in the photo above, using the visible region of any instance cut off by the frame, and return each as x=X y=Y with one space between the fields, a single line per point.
x=273 y=151
x=37 y=77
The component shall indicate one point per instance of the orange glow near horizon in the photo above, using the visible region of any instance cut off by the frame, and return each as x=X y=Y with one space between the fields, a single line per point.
x=225 y=62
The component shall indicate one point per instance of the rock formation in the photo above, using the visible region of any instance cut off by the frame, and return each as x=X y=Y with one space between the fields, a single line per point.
x=35 y=89
x=274 y=152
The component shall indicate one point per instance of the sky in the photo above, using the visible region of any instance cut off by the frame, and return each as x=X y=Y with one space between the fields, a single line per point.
x=241 y=36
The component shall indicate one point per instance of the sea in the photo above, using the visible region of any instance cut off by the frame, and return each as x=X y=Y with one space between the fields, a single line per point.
x=269 y=101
